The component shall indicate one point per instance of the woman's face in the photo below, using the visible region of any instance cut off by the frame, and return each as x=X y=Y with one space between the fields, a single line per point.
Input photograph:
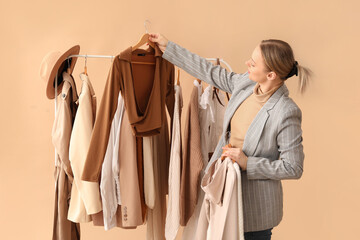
x=256 y=66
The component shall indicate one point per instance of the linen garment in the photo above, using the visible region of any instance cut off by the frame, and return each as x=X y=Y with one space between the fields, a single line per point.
x=192 y=162
x=155 y=226
x=110 y=182
x=216 y=125
x=219 y=217
x=85 y=196
x=211 y=115
x=146 y=90
x=206 y=116
x=130 y=213
x=273 y=141
x=140 y=169
x=149 y=178
x=173 y=208
x=63 y=229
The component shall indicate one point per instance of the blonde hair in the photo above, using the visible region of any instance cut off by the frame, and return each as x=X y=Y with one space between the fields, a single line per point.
x=279 y=57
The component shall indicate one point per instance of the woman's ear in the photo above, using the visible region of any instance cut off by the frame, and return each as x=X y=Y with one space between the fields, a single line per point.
x=271 y=76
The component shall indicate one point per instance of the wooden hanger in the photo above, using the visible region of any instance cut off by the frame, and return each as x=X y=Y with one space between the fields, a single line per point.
x=144 y=39
x=178 y=78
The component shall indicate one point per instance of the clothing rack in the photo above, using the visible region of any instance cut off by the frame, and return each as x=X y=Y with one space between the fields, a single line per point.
x=112 y=57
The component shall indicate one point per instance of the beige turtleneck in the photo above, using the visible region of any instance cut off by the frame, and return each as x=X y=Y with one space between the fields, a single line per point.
x=246 y=113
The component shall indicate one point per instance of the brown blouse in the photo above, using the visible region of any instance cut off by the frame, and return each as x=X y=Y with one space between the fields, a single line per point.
x=146 y=88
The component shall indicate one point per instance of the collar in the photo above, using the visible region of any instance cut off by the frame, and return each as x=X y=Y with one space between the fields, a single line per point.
x=126 y=54
x=85 y=78
x=270 y=103
x=264 y=96
x=69 y=78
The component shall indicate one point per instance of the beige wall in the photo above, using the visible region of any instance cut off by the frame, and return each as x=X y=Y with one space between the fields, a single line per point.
x=323 y=204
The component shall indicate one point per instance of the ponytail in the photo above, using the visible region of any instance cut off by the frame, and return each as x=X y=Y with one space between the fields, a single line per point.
x=305 y=75
x=279 y=57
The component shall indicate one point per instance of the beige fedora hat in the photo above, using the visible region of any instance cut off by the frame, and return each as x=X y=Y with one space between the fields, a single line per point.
x=56 y=63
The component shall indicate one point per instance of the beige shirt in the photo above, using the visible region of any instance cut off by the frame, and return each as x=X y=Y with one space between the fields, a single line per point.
x=85 y=196
x=155 y=218
x=131 y=211
x=246 y=113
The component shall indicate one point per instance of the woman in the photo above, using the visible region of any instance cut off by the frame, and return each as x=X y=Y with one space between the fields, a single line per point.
x=262 y=124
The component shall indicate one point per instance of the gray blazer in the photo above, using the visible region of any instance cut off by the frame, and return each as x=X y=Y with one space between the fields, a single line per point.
x=273 y=141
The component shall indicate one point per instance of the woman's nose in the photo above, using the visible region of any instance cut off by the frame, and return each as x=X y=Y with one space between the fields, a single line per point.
x=247 y=63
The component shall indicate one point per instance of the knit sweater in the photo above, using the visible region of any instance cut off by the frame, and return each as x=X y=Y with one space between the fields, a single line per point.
x=246 y=113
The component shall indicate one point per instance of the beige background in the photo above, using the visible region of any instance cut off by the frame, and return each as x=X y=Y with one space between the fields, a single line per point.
x=323 y=204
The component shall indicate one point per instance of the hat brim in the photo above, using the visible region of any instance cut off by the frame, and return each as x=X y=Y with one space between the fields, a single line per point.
x=61 y=65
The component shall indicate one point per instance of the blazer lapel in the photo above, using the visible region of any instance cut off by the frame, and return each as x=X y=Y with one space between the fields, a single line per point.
x=256 y=127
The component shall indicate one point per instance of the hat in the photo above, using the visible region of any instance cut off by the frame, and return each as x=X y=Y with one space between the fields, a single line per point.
x=56 y=63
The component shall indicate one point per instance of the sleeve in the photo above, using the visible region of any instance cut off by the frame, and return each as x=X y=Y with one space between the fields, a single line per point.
x=170 y=96
x=289 y=141
x=101 y=131
x=201 y=68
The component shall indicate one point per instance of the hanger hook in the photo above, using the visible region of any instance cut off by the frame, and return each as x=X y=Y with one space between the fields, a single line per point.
x=146 y=30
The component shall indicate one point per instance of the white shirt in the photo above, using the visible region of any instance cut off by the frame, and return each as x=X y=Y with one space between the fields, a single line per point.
x=110 y=185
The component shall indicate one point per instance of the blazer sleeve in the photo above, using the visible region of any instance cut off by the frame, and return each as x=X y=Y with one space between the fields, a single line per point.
x=101 y=131
x=289 y=141
x=200 y=68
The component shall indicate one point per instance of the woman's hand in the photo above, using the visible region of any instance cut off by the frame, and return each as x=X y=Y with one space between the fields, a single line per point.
x=236 y=155
x=159 y=39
